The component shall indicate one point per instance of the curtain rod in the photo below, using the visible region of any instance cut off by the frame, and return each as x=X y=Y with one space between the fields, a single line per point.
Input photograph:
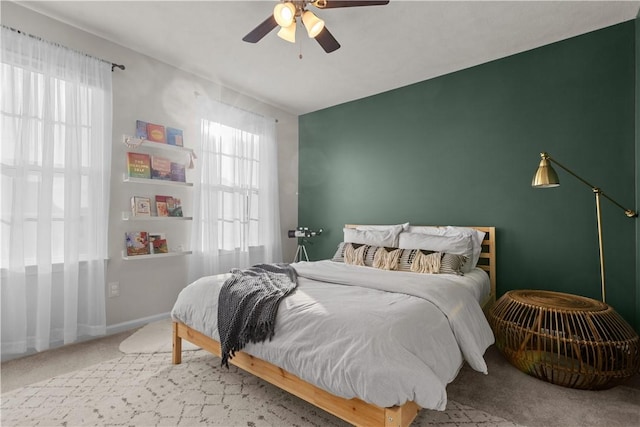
x=113 y=64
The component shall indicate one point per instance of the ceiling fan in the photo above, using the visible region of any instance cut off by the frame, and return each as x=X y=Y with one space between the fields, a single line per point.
x=286 y=12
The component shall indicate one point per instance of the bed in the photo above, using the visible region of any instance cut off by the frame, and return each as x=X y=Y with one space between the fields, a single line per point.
x=340 y=375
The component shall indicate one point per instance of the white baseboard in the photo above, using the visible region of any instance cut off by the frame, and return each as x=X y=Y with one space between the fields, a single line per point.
x=136 y=323
x=112 y=329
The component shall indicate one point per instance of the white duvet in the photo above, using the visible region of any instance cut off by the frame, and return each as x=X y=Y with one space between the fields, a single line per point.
x=386 y=337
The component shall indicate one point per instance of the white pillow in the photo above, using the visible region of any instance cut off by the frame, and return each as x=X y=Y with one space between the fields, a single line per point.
x=455 y=245
x=404 y=226
x=427 y=229
x=388 y=238
x=477 y=237
x=396 y=228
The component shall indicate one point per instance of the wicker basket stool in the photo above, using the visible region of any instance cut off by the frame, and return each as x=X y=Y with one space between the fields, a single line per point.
x=565 y=339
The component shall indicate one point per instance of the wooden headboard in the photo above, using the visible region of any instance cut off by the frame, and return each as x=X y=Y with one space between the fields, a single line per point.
x=487 y=260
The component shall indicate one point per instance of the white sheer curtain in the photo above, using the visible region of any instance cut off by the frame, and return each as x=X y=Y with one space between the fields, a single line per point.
x=236 y=205
x=56 y=162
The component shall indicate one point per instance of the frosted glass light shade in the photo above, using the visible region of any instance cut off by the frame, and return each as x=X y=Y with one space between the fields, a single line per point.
x=288 y=33
x=312 y=23
x=284 y=13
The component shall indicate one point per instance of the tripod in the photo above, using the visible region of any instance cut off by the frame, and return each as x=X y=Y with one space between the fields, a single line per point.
x=301 y=251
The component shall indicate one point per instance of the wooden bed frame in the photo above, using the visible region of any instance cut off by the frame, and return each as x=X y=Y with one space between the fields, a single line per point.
x=354 y=411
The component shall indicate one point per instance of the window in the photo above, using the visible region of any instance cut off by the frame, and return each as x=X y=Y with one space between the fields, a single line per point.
x=46 y=146
x=236 y=204
x=55 y=118
x=237 y=156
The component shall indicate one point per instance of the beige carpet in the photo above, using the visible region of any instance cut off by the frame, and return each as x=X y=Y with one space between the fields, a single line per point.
x=95 y=384
x=145 y=389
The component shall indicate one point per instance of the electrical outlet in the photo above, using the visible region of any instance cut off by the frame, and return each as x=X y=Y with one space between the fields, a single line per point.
x=114 y=289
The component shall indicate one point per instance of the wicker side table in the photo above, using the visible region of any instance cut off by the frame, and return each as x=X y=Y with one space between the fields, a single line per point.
x=565 y=339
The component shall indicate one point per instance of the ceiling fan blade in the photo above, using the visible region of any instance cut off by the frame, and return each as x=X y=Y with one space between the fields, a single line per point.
x=327 y=41
x=261 y=30
x=331 y=4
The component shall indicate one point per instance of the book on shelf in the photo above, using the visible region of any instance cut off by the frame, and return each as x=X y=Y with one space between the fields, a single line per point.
x=160 y=168
x=178 y=173
x=158 y=243
x=174 y=136
x=139 y=165
x=163 y=203
x=137 y=243
x=140 y=206
x=141 y=129
x=176 y=208
x=156 y=133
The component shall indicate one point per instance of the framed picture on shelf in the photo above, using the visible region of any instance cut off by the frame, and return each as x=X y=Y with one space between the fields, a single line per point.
x=176 y=209
x=174 y=136
x=140 y=206
x=156 y=133
x=178 y=172
x=138 y=165
x=141 y=129
x=164 y=204
x=160 y=168
x=158 y=243
x=137 y=243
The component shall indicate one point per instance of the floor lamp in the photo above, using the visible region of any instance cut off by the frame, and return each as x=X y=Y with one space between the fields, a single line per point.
x=565 y=339
x=546 y=177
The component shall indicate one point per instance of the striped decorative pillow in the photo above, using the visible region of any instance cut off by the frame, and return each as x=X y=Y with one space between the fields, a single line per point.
x=386 y=258
x=365 y=254
x=449 y=263
x=355 y=254
x=339 y=255
x=452 y=264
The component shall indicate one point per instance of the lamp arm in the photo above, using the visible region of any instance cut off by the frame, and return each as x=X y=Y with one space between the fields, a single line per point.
x=628 y=212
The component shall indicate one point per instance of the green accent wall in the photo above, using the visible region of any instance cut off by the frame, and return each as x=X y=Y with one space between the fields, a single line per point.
x=461 y=149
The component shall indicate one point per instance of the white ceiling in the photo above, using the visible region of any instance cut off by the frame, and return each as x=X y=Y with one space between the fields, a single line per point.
x=383 y=47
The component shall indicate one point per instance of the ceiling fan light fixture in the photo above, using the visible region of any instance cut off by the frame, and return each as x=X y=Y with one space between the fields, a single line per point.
x=288 y=33
x=284 y=14
x=312 y=23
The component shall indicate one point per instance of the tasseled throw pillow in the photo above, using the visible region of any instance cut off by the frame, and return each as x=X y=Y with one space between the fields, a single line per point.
x=354 y=255
x=387 y=259
x=426 y=262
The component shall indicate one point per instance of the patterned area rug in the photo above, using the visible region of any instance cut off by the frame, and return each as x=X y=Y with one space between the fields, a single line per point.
x=155 y=337
x=147 y=390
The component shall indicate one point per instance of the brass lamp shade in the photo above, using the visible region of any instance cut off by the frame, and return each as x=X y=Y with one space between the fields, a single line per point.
x=546 y=176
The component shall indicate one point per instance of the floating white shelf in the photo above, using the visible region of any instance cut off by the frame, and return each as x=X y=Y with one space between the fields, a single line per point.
x=176 y=153
x=169 y=254
x=127 y=216
x=133 y=143
x=126 y=178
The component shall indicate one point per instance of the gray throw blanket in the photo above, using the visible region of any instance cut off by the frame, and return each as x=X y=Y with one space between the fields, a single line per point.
x=248 y=304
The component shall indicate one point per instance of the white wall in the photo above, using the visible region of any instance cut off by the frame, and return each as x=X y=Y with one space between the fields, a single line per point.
x=152 y=91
